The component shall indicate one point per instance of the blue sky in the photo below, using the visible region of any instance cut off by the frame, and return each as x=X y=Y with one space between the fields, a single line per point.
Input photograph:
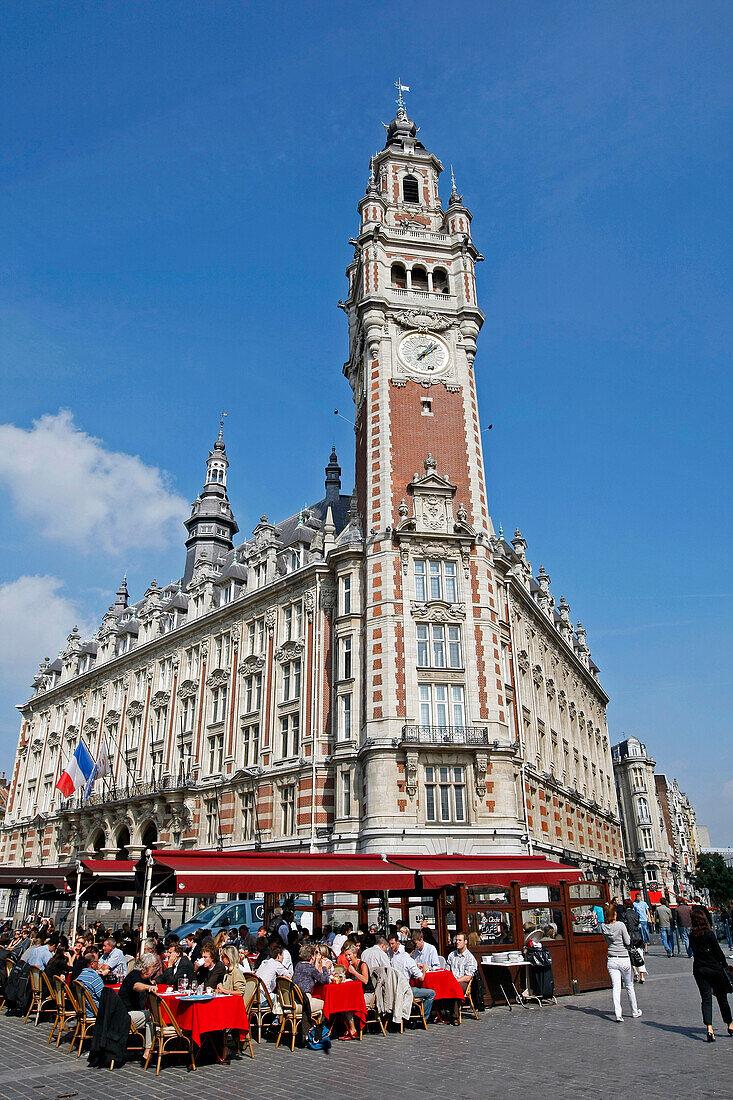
x=179 y=186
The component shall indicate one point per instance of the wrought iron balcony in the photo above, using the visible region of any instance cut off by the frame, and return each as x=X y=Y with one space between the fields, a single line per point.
x=445 y=735
x=131 y=789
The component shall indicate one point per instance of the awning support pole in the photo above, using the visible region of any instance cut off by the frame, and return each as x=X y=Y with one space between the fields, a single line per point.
x=146 y=900
x=75 y=921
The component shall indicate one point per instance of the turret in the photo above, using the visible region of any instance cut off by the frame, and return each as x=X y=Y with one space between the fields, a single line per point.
x=211 y=526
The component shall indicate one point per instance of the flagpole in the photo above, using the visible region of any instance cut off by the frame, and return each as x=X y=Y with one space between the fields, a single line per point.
x=76 y=899
x=146 y=899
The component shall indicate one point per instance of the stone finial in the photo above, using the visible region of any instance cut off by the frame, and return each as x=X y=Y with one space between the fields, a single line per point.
x=430 y=464
x=402 y=509
x=543 y=579
x=520 y=544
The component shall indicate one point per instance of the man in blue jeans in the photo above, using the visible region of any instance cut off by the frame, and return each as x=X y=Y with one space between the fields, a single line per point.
x=684 y=923
x=664 y=917
x=400 y=960
x=643 y=910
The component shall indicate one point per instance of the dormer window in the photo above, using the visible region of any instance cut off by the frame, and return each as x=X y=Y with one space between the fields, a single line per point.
x=410 y=190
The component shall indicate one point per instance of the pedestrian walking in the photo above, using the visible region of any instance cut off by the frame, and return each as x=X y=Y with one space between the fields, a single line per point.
x=710 y=970
x=684 y=924
x=664 y=918
x=642 y=909
x=616 y=935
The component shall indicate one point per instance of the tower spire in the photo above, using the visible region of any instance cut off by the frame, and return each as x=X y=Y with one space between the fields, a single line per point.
x=211 y=526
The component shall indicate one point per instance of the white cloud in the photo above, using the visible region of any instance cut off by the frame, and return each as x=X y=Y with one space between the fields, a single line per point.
x=35 y=618
x=83 y=495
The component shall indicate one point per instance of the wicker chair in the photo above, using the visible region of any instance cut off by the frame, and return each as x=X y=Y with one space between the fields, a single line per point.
x=372 y=1017
x=469 y=999
x=167 y=1031
x=417 y=1012
x=291 y=1003
x=43 y=997
x=257 y=1001
x=83 y=1002
x=65 y=1010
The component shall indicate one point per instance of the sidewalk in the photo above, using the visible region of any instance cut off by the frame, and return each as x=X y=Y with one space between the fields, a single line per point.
x=573 y=1050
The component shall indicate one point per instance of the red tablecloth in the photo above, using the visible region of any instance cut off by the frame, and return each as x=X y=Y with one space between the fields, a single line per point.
x=342 y=997
x=225 y=1011
x=445 y=985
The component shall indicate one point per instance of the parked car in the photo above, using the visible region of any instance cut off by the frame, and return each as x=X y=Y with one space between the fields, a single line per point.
x=229 y=914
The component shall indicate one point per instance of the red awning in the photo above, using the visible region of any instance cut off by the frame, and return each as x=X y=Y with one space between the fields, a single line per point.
x=27 y=877
x=115 y=876
x=278 y=872
x=437 y=871
x=293 y=872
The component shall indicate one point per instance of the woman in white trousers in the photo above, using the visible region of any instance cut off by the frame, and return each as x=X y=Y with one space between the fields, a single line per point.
x=616 y=935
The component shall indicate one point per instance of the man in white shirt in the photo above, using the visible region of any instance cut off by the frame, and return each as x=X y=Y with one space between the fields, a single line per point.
x=376 y=955
x=112 y=963
x=463 y=966
x=401 y=961
x=341 y=937
x=270 y=970
x=425 y=955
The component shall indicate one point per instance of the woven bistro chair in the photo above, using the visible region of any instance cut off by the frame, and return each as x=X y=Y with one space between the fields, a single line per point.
x=65 y=1010
x=372 y=1017
x=417 y=1012
x=166 y=1032
x=291 y=1004
x=255 y=993
x=82 y=1000
x=469 y=998
x=43 y=998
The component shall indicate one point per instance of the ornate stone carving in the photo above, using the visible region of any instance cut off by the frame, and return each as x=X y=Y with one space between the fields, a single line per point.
x=550 y=688
x=537 y=674
x=523 y=660
x=423 y=320
x=37 y=744
x=249 y=665
x=482 y=763
x=234 y=635
x=405 y=558
x=288 y=651
x=328 y=599
x=437 y=612
x=111 y=719
x=188 y=689
x=91 y=726
x=218 y=677
x=135 y=709
x=270 y=619
x=562 y=699
x=572 y=709
x=309 y=603
x=411 y=773
x=160 y=699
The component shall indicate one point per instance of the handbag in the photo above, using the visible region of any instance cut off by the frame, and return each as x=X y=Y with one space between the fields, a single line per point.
x=636 y=957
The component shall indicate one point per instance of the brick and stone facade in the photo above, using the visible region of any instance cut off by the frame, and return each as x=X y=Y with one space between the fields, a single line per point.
x=381 y=670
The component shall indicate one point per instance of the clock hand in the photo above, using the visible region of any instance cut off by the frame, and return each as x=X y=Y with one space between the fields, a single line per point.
x=428 y=349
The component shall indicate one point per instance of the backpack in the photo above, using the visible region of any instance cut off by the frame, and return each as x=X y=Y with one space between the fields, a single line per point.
x=319 y=1037
x=538 y=955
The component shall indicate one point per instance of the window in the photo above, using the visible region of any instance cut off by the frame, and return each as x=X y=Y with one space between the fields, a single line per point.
x=410 y=189
x=222 y=649
x=345 y=717
x=637 y=775
x=346 y=793
x=287 y=808
x=250 y=744
x=346 y=595
x=291 y=681
x=135 y=728
x=440 y=281
x=289 y=736
x=248 y=816
x=438 y=646
x=216 y=753
x=212 y=823
x=293 y=621
x=253 y=693
x=435 y=580
x=219 y=703
x=419 y=278
x=442 y=705
x=647 y=840
x=156 y=761
x=399 y=276
x=345 y=669
x=188 y=713
x=251 y=637
x=445 y=794
x=261 y=574
x=159 y=722
x=294 y=560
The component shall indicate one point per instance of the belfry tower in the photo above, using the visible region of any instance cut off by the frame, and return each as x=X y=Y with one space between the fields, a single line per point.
x=431 y=649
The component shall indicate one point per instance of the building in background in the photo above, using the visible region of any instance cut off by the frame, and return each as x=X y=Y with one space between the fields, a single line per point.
x=649 y=855
x=681 y=828
x=381 y=669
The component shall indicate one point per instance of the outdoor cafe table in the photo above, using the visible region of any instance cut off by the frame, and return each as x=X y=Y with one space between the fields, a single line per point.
x=445 y=985
x=514 y=972
x=342 y=997
x=225 y=1010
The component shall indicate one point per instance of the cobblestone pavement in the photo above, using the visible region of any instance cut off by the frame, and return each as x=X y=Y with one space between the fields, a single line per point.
x=575 y=1049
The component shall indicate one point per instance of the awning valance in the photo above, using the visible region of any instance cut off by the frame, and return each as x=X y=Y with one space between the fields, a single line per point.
x=438 y=871
x=32 y=877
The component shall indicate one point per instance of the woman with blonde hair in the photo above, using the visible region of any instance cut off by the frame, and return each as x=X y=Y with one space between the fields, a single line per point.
x=221 y=940
x=233 y=980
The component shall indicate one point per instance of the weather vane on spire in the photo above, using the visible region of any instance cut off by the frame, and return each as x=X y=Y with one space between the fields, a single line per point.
x=221 y=426
x=400 y=89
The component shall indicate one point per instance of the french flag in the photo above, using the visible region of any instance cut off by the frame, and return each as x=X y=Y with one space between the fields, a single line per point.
x=77 y=772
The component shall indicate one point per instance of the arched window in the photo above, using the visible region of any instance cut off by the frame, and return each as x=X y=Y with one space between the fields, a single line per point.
x=410 y=189
x=150 y=836
x=643 y=807
x=399 y=276
x=440 y=281
x=419 y=278
x=98 y=842
x=123 y=842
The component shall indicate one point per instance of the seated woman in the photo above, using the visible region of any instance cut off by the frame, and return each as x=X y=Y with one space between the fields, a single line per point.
x=311 y=973
x=358 y=971
x=211 y=971
x=58 y=965
x=233 y=980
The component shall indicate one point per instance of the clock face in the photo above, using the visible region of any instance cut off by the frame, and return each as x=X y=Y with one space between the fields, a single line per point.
x=424 y=353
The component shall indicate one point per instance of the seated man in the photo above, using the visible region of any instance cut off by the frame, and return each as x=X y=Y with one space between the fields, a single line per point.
x=133 y=994
x=90 y=979
x=112 y=964
x=270 y=970
x=42 y=953
x=425 y=954
x=376 y=954
x=463 y=966
x=178 y=967
x=401 y=961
